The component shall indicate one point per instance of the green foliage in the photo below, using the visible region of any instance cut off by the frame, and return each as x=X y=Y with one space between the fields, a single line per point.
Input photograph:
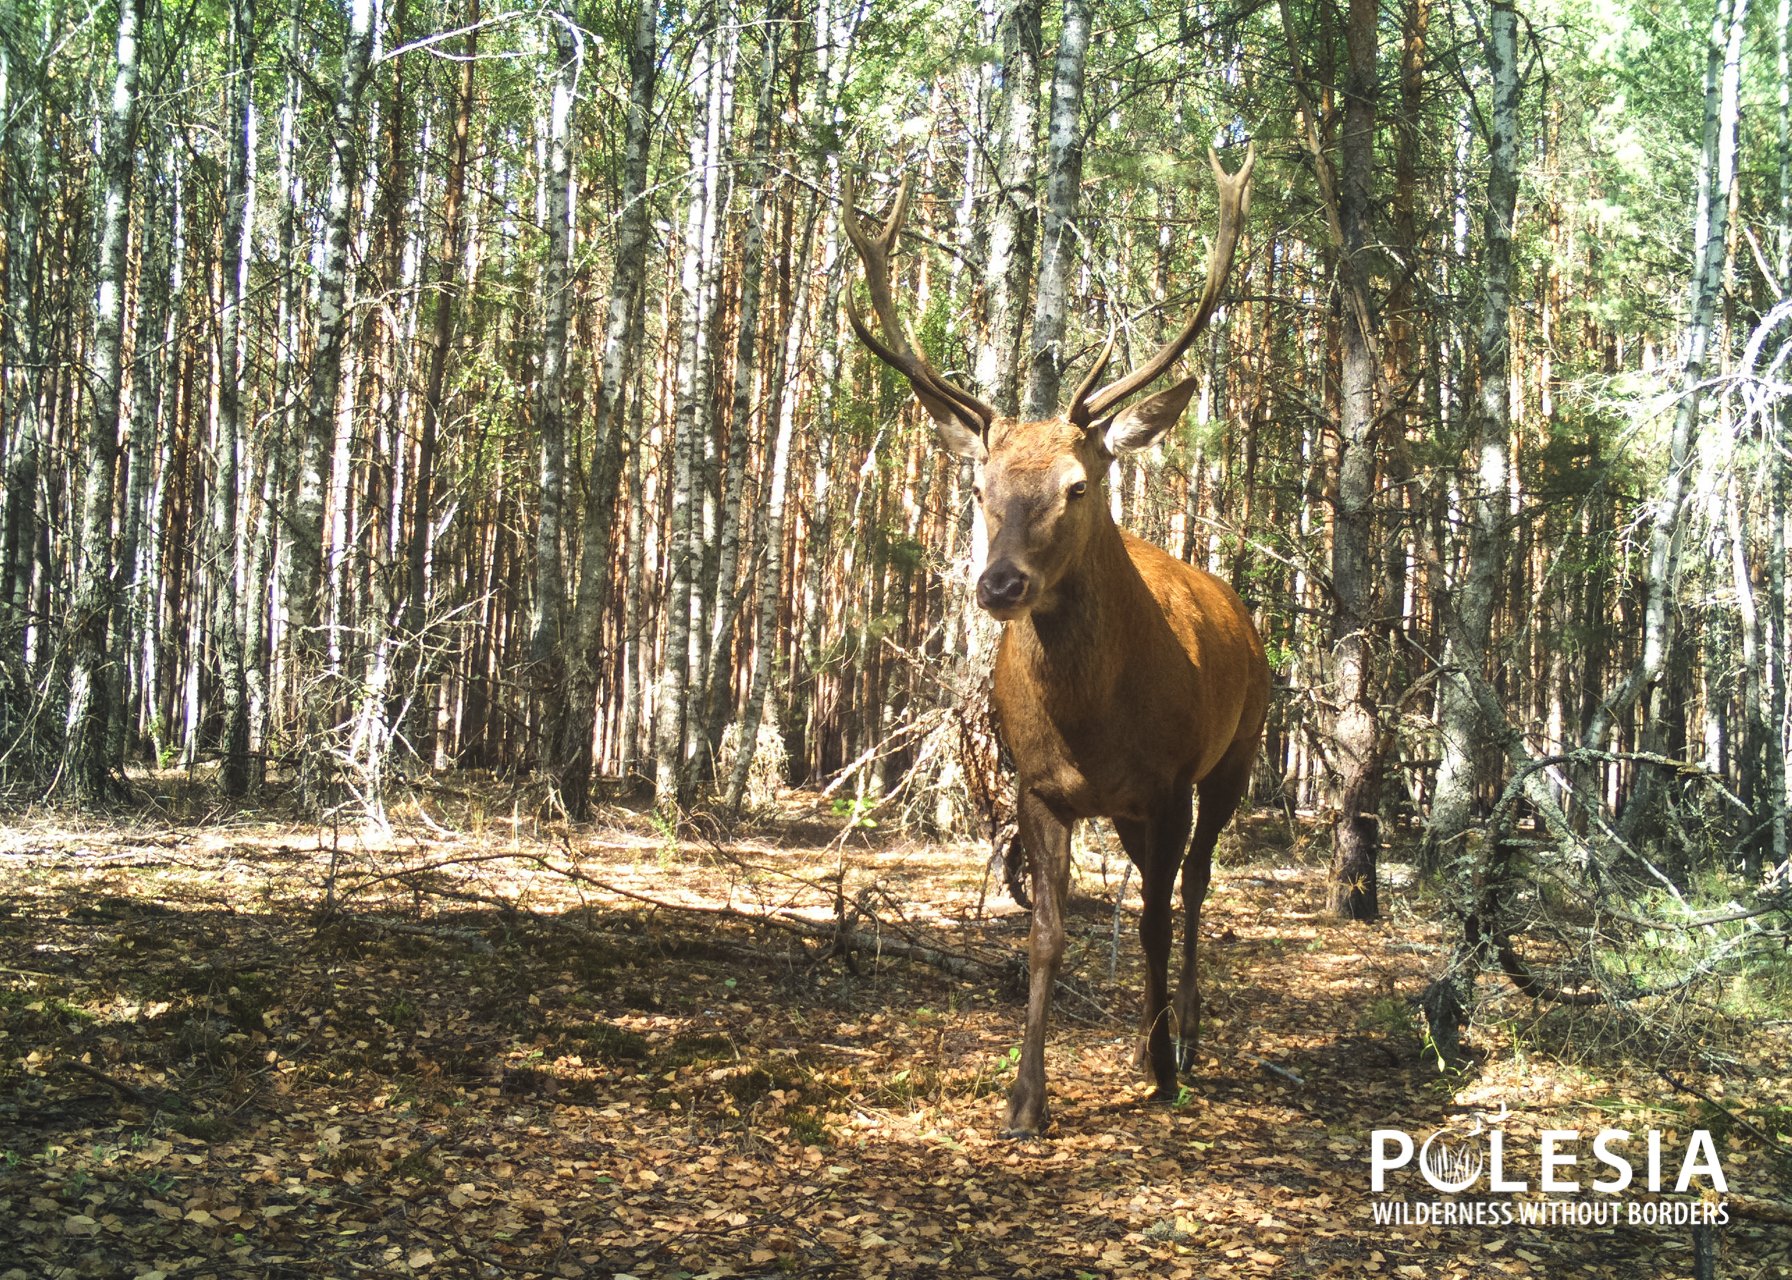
x=856 y=810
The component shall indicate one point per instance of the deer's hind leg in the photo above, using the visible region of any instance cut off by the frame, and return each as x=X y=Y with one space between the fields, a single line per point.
x=1220 y=792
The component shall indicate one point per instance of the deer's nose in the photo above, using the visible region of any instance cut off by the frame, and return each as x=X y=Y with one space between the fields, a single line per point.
x=1000 y=586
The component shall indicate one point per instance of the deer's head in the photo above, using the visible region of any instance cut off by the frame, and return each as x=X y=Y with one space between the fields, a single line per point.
x=1040 y=482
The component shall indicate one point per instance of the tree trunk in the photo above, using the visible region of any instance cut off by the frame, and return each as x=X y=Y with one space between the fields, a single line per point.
x=1779 y=644
x=1472 y=604
x=1356 y=833
x=448 y=263
x=227 y=547
x=574 y=764
x=303 y=532
x=1064 y=176
x=545 y=640
x=1469 y=612
x=90 y=775
x=706 y=479
x=727 y=591
x=771 y=541
x=670 y=710
x=1008 y=275
x=27 y=166
x=1717 y=171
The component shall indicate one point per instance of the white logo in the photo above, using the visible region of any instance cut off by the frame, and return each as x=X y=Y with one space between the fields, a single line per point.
x=1451 y=1168
x=1452 y=1161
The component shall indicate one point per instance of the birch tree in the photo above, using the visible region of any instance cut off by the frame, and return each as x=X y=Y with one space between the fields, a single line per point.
x=1473 y=601
x=90 y=774
x=550 y=398
x=227 y=545
x=1012 y=226
x=622 y=317
x=1716 y=174
x=671 y=710
x=1058 y=242
x=303 y=533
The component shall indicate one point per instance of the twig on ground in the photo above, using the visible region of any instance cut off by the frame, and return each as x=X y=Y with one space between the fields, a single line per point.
x=1759 y=1134
x=1294 y=1077
x=154 y=1101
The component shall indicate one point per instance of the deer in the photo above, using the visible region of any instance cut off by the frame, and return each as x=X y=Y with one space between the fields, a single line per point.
x=1126 y=681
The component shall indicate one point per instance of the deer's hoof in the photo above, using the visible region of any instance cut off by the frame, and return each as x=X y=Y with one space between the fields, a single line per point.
x=1028 y=1114
x=1015 y=1130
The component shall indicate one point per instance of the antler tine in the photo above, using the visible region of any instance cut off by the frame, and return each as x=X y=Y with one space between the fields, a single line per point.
x=897 y=348
x=1235 y=202
x=1090 y=379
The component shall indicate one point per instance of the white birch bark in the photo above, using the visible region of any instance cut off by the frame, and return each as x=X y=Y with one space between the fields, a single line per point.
x=1008 y=273
x=726 y=590
x=303 y=529
x=622 y=320
x=1058 y=242
x=670 y=709
x=228 y=551
x=1717 y=171
x=550 y=408
x=90 y=775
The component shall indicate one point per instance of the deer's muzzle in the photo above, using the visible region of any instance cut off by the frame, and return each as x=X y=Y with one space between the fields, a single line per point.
x=1002 y=587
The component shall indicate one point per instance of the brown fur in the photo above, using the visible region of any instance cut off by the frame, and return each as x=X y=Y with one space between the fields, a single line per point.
x=1126 y=679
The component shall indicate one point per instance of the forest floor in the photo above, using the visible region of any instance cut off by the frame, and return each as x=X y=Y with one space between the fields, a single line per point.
x=237 y=1047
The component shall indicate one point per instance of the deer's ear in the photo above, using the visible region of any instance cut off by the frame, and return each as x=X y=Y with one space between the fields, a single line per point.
x=955 y=434
x=1139 y=425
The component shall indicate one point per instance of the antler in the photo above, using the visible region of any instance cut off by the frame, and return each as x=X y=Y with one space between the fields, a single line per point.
x=897 y=348
x=1235 y=201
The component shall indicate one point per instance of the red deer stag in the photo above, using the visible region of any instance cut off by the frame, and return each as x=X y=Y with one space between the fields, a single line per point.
x=1125 y=678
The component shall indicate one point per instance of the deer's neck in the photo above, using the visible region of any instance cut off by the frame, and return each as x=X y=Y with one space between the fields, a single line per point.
x=1074 y=642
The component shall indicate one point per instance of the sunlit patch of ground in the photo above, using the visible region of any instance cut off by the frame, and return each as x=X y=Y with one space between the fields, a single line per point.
x=509 y=1051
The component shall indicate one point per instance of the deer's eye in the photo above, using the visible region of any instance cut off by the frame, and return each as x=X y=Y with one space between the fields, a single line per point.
x=1078 y=489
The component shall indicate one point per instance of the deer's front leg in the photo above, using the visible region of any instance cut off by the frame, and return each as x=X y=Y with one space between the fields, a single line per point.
x=1047 y=838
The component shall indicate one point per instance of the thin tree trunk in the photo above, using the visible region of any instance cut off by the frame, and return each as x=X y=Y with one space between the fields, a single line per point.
x=138 y=549
x=574 y=763
x=1473 y=602
x=1779 y=644
x=1469 y=611
x=1356 y=835
x=545 y=639
x=1717 y=171
x=303 y=532
x=728 y=592
x=90 y=774
x=447 y=270
x=706 y=445
x=27 y=166
x=227 y=546
x=635 y=648
x=675 y=673
x=1008 y=275
x=259 y=638
x=770 y=580
x=162 y=423
x=1064 y=176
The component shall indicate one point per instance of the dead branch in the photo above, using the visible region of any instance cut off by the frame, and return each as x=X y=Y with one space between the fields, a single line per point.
x=154 y=1101
x=1759 y=1134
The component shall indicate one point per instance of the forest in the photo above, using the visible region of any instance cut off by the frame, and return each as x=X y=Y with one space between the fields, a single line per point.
x=498 y=769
